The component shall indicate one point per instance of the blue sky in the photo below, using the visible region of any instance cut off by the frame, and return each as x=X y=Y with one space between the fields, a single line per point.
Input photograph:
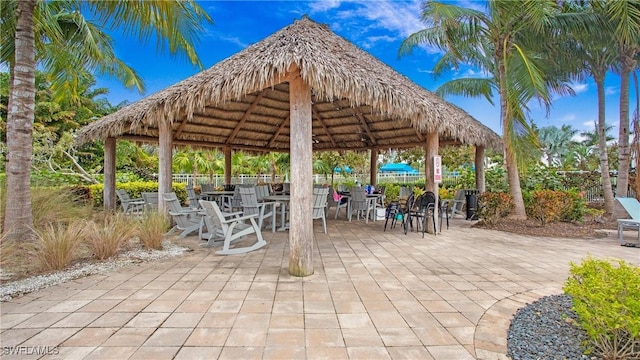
x=377 y=26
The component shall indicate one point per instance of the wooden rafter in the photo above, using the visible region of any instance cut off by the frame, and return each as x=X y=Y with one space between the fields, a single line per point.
x=252 y=107
x=180 y=127
x=363 y=122
x=324 y=126
x=277 y=133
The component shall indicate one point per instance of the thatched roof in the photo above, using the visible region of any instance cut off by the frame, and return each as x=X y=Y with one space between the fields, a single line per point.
x=243 y=101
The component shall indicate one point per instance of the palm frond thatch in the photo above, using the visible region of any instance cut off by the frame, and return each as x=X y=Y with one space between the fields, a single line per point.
x=243 y=101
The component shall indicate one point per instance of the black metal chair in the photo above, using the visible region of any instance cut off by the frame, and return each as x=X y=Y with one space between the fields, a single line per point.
x=406 y=213
x=392 y=212
x=422 y=211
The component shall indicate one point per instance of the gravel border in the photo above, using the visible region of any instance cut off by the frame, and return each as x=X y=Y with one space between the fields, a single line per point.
x=20 y=287
x=546 y=329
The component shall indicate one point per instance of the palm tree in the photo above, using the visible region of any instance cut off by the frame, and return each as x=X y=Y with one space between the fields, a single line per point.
x=18 y=218
x=597 y=55
x=176 y=23
x=556 y=143
x=624 y=16
x=504 y=44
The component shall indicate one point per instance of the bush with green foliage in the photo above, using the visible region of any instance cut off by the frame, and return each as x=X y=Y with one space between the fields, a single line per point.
x=135 y=189
x=391 y=192
x=549 y=206
x=541 y=177
x=494 y=206
x=495 y=179
x=607 y=300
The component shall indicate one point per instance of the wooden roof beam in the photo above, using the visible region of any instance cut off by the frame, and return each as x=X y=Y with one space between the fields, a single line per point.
x=277 y=133
x=324 y=126
x=363 y=122
x=252 y=107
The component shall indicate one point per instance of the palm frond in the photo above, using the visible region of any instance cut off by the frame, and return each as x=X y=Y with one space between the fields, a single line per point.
x=470 y=87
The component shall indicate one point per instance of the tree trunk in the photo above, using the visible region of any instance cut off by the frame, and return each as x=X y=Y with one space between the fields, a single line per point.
x=626 y=65
x=301 y=204
x=109 y=190
x=479 y=161
x=18 y=220
x=510 y=156
x=373 y=161
x=602 y=146
x=431 y=150
x=227 y=166
x=165 y=158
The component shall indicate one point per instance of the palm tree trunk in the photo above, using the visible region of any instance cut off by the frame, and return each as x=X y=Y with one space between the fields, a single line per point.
x=626 y=65
x=602 y=146
x=18 y=220
x=510 y=157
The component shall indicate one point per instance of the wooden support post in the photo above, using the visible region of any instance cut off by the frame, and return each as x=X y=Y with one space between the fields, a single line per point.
x=431 y=150
x=109 y=190
x=227 y=165
x=165 y=156
x=372 y=166
x=480 y=168
x=301 y=222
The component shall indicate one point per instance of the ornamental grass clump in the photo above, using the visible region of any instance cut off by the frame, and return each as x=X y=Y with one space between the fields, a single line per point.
x=606 y=298
x=56 y=244
x=151 y=229
x=105 y=237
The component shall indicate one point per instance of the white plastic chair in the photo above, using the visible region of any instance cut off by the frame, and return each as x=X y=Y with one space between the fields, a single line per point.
x=230 y=228
x=360 y=203
x=187 y=219
x=320 y=205
x=129 y=205
x=250 y=206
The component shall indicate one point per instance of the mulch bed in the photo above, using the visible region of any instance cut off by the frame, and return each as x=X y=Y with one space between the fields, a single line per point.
x=590 y=229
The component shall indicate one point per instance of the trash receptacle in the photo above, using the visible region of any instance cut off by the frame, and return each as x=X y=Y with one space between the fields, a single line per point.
x=471 y=197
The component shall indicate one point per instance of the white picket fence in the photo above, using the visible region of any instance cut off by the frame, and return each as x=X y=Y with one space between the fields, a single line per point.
x=218 y=180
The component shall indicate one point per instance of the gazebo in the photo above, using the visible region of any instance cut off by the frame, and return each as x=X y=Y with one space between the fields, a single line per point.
x=301 y=89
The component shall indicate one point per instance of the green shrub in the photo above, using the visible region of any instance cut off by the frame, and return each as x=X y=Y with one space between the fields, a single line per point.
x=607 y=301
x=391 y=192
x=577 y=208
x=548 y=206
x=494 y=206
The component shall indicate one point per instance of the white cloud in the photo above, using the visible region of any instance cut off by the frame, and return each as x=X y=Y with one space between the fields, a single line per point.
x=568 y=118
x=589 y=125
x=579 y=88
x=324 y=5
x=234 y=40
x=611 y=90
x=471 y=4
x=399 y=18
x=372 y=40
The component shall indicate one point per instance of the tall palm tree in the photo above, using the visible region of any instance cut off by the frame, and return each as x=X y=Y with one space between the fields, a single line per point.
x=596 y=54
x=625 y=15
x=18 y=217
x=176 y=24
x=503 y=43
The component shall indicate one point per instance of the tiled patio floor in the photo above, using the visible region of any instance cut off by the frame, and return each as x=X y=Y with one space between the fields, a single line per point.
x=374 y=295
